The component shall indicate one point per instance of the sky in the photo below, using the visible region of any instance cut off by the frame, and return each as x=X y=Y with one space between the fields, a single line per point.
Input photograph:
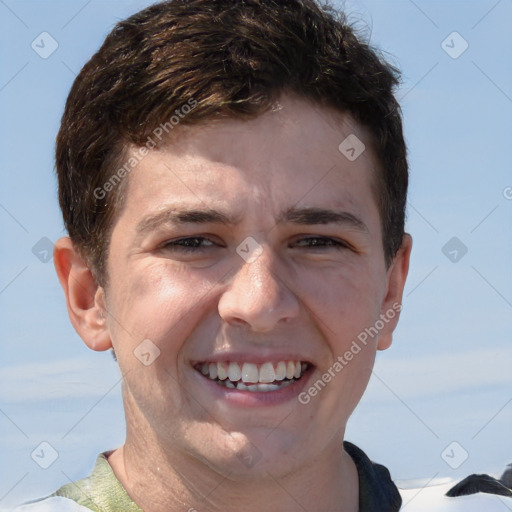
x=439 y=404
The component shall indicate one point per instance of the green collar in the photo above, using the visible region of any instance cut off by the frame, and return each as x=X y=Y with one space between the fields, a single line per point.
x=101 y=491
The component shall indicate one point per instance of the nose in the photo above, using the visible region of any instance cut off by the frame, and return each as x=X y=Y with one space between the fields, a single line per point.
x=258 y=297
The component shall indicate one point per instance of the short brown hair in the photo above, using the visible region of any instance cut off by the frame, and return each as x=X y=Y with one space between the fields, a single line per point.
x=233 y=59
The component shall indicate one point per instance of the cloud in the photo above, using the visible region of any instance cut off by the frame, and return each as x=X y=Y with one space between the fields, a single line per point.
x=442 y=373
x=412 y=377
x=65 y=378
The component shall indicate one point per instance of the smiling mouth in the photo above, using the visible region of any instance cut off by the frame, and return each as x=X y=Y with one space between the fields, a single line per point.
x=254 y=377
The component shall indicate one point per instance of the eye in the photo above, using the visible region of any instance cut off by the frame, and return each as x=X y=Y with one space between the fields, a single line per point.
x=189 y=244
x=320 y=242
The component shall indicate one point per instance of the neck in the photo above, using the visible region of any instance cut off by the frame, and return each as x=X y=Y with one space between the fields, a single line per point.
x=158 y=480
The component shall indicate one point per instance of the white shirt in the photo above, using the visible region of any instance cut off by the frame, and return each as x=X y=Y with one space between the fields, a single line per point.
x=432 y=499
x=56 y=504
x=427 y=499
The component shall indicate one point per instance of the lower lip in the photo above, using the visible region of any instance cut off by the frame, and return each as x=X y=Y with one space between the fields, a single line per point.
x=243 y=398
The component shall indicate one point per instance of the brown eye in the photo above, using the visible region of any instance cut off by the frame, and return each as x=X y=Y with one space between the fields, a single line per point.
x=189 y=244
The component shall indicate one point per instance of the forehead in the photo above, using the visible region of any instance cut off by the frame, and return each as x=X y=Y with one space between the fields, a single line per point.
x=296 y=153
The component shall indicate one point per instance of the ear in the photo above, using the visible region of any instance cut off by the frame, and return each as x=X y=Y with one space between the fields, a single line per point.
x=392 y=304
x=85 y=299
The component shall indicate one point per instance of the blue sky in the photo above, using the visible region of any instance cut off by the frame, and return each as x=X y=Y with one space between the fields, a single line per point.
x=447 y=378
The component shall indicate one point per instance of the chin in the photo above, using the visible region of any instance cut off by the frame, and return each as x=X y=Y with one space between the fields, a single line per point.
x=256 y=454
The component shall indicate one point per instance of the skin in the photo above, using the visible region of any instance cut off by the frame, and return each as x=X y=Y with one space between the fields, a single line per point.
x=184 y=447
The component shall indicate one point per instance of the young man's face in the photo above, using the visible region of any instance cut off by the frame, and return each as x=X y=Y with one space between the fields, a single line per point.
x=250 y=242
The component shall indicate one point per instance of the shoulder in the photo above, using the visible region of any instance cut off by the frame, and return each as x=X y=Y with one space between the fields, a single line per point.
x=100 y=491
x=376 y=489
x=52 y=504
x=433 y=497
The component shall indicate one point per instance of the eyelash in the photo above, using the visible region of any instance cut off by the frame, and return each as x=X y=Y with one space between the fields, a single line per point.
x=190 y=244
x=327 y=242
x=185 y=245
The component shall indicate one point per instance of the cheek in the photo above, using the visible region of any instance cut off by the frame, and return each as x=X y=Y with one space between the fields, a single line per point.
x=157 y=303
x=345 y=300
x=154 y=313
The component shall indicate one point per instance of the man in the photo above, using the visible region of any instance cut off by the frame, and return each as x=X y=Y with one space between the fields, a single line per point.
x=233 y=180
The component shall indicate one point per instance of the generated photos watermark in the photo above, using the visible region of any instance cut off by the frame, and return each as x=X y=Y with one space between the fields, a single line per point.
x=159 y=133
x=343 y=360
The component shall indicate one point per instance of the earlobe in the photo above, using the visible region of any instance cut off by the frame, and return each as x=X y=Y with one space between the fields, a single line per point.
x=85 y=299
x=392 y=304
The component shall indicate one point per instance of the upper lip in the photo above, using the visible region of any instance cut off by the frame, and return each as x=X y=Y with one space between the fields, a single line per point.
x=255 y=358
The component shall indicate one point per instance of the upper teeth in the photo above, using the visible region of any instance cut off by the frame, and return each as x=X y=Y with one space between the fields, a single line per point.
x=253 y=373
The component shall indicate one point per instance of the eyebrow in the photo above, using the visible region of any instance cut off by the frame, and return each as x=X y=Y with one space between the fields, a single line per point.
x=293 y=215
x=183 y=216
x=322 y=216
